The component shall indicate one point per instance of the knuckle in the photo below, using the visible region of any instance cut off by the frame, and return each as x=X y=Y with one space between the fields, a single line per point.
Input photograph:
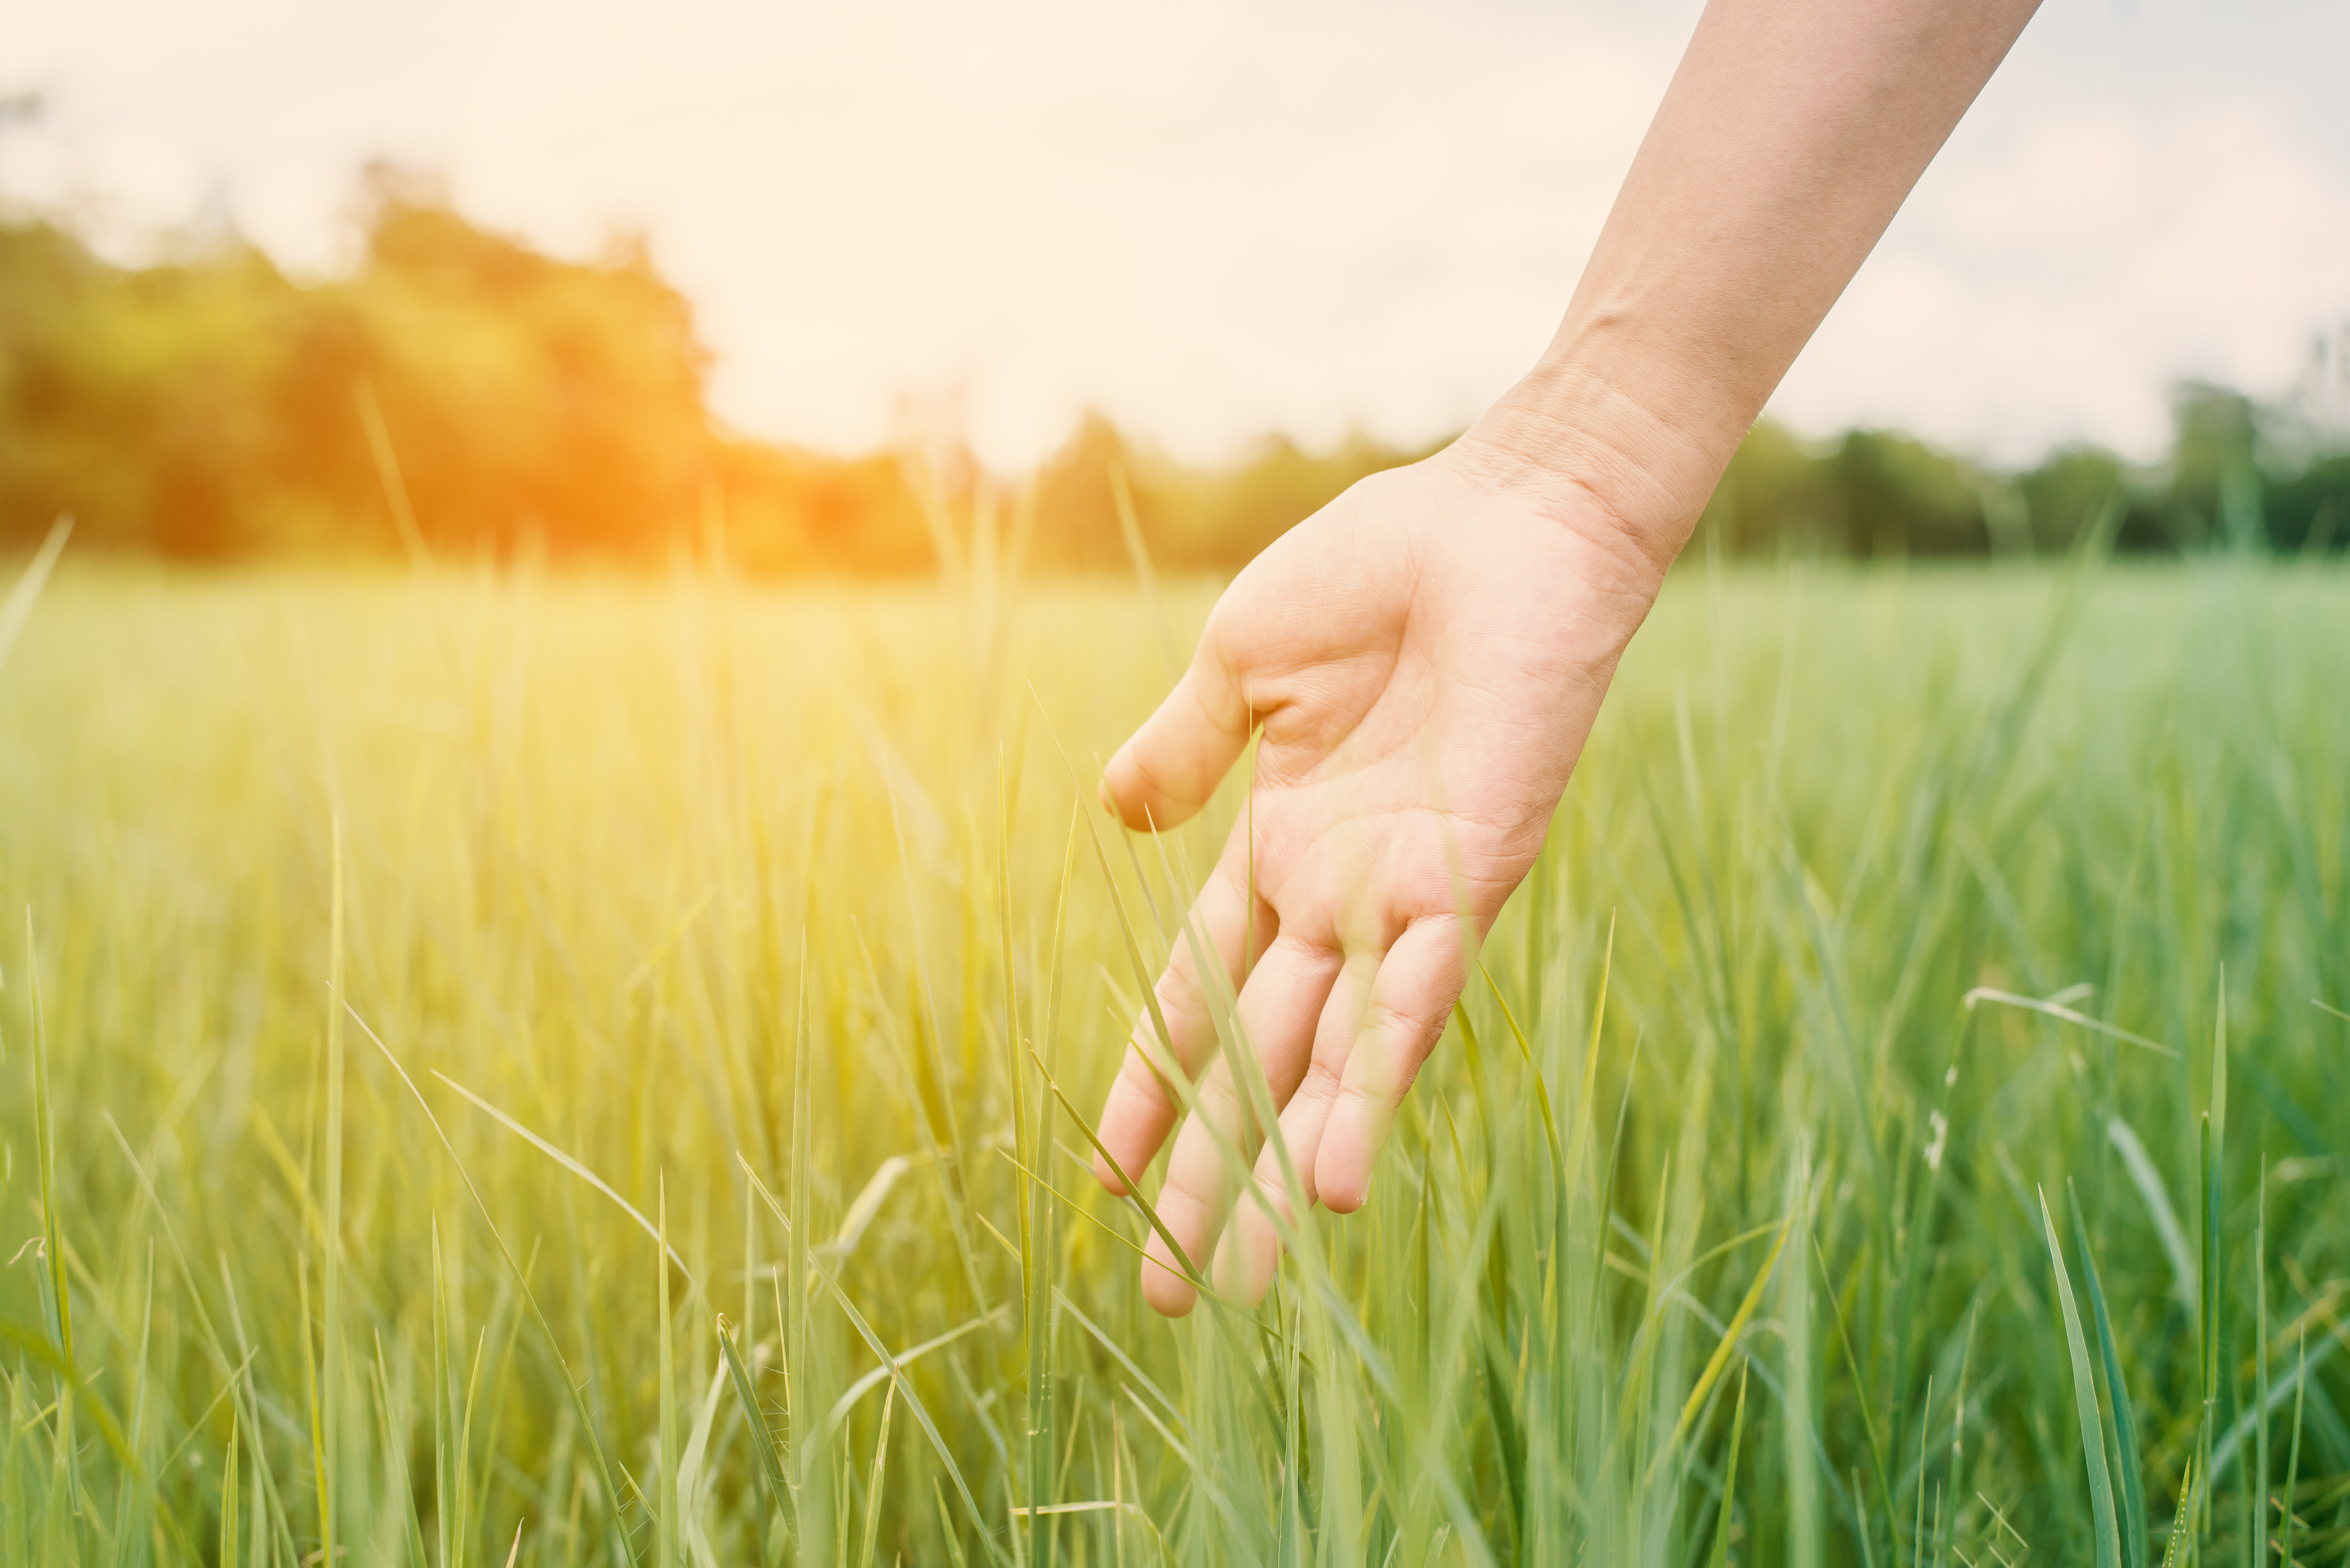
x=1139 y=1077
x=1183 y=1008
x=1217 y=1101
x=1319 y=1085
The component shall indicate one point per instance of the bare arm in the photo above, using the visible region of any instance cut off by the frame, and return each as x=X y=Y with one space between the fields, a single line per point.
x=1426 y=655
x=1791 y=134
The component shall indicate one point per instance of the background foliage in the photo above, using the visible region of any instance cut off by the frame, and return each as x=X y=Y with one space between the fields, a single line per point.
x=463 y=392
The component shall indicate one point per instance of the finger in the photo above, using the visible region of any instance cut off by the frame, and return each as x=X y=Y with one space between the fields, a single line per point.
x=1192 y=1201
x=1418 y=982
x=1252 y=1249
x=1136 y=1117
x=1276 y=1008
x=1169 y=768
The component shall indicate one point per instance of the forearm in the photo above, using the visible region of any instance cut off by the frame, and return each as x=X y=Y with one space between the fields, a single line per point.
x=1789 y=137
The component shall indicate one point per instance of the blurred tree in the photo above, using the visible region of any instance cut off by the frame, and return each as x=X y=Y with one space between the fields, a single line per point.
x=206 y=408
x=525 y=395
x=1077 y=526
x=1212 y=519
x=785 y=511
x=1777 y=496
x=2068 y=492
x=144 y=402
x=1899 y=496
x=2309 y=512
x=2214 y=437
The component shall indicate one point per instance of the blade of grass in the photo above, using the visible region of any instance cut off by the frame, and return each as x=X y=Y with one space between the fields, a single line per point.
x=575 y=1167
x=2293 y=1453
x=913 y=1401
x=1134 y=1193
x=450 y=1469
x=2182 y=1519
x=1106 y=1227
x=1723 y=1350
x=946 y=1526
x=1160 y=1034
x=2166 y=1228
x=865 y=1384
x=873 y=1482
x=1860 y=1391
x=2258 y=1491
x=2215 y=1140
x=228 y=1522
x=53 y=1246
x=1554 y=1143
x=668 y=1538
x=2094 y=1436
x=2058 y=1010
x=392 y=1421
x=1730 y=1476
x=2132 y=1502
x=330 y=1393
x=768 y=1465
x=17 y=609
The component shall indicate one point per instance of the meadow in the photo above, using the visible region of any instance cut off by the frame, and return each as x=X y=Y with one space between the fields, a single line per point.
x=511 y=1068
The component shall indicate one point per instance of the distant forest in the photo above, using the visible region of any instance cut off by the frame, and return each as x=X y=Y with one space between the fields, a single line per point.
x=461 y=392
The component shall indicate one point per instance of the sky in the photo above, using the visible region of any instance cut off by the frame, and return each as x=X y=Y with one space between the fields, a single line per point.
x=1225 y=218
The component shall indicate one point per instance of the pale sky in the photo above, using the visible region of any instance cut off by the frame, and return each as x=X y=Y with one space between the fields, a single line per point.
x=1228 y=216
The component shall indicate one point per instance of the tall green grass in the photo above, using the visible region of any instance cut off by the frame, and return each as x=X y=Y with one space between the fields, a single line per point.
x=499 y=1070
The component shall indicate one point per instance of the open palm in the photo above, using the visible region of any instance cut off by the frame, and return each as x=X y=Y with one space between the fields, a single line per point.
x=1426 y=656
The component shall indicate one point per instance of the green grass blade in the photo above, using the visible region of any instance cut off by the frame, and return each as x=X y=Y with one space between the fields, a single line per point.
x=2181 y=1522
x=2262 y=1474
x=330 y=1390
x=59 y=1302
x=947 y=1526
x=668 y=1536
x=2293 y=1453
x=2094 y=1435
x=1852 y=1369
x=1134 y=1191
x=768 y=1465
x=228 y=1522
x=1730 y=1476
x=1728 y=1344
x=874 y=1479
x=2131 y=1501
x=450 y=1467
x=574 y=1166
x=914 y=1403
x=2150 y=1190
x=2058 y=1010
x=17 y=609
x=2208 y=1324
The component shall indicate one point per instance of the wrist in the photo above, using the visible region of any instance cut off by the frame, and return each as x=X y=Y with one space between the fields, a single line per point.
x=1636 y=465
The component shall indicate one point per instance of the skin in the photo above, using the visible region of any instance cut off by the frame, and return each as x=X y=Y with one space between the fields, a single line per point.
x=1423 y=658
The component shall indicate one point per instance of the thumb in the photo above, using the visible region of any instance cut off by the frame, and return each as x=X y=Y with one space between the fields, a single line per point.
x=1169 y=768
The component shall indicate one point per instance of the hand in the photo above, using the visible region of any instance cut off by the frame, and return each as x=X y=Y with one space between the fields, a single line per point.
x=1426 y=655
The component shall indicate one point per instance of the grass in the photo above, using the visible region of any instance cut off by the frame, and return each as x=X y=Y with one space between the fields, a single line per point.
x=511 y=1071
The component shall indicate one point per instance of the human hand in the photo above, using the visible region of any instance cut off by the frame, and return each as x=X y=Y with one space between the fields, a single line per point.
x=1426 y=655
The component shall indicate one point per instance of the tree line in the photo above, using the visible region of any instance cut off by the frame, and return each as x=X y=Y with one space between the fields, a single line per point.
x=459 y=392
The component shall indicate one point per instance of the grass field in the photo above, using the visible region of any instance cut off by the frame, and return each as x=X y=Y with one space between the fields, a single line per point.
x=393 y=960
